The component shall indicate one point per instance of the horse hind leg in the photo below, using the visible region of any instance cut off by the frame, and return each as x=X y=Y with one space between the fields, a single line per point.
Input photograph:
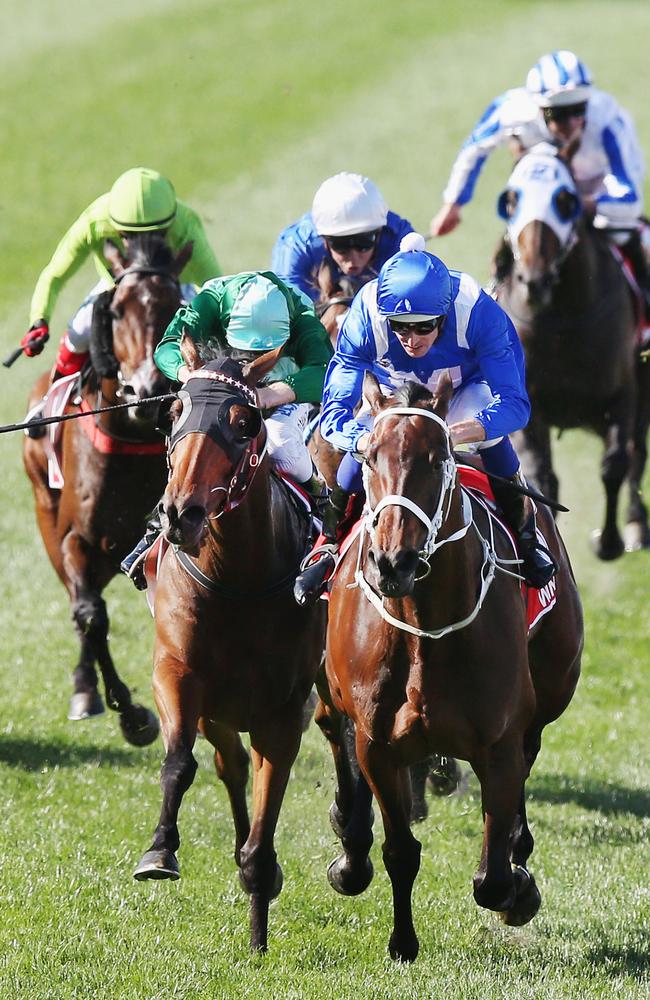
x=86 y=701
x=637 y=532
x=607 y=543
x=231 y=763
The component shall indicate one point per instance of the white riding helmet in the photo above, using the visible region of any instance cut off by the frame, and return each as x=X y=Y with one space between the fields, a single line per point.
x=347 y=204
x=558 y=79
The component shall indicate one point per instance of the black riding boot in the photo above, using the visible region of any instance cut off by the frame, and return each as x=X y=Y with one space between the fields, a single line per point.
x=635 y=253
x=319 y=564
x=537 y=564
x=133 y=564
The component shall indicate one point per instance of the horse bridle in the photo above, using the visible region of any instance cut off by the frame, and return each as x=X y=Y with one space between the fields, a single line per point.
x=433 y=526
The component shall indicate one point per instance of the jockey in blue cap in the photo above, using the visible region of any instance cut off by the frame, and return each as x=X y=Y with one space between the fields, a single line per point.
x=558 y=105
x=416 y=320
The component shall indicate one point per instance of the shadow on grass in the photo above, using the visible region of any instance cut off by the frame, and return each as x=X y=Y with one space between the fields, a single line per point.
x=634 y=961
x=34 y=755
x=605 y=797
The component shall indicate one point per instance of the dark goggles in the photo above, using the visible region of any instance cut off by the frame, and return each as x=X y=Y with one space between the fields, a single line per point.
x=564 y=112
x=421 y=329
x=358 y=241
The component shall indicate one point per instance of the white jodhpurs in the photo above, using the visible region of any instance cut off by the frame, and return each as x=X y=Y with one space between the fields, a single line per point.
x=287 y=450
x=466 y=402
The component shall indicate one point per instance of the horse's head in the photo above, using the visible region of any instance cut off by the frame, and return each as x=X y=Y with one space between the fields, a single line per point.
x=215 y=433
x=145 y=298
x=336 y=292
x=409 y=476
x=540 y=206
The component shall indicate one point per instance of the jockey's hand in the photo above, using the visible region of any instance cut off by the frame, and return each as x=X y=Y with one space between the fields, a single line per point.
x=362 y=444
x=276 y=394
x=35 y=339
x=467 y=431
x=445 y=221
x=182 y=374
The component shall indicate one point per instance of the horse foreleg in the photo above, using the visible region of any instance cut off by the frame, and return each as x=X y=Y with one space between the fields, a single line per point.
x=231 y=763
x=139 y=725
x=637 y=533
x=608 y=543
x=178 y=697
x=391 y=786
x=501 y=772
x=274 y=746
x=533 y=446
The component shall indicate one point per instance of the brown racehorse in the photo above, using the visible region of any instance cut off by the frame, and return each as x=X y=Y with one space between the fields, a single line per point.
x=234 y=652
x=336 y=292
x=114 y=467
x=568 y=298
x=428 y=650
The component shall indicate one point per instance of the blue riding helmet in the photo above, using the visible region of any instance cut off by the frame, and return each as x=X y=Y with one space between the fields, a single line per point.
x=414 y=286
x=259 y=318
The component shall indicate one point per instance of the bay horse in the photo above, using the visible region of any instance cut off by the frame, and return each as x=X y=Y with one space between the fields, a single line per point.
x=233 y=651
x=113 y=466
x=428 y=651
x=336 y=292
x=573 y=310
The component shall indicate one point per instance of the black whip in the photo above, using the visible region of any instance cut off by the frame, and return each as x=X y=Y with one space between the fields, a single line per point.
x=43 y=421
x=528 y=491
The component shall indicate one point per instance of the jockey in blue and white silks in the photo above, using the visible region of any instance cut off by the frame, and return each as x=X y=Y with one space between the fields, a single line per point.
x=416 y=320
x=350 y=224
x=558 y=103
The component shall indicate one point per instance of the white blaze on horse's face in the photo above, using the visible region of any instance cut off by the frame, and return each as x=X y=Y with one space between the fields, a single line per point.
x=539 y=180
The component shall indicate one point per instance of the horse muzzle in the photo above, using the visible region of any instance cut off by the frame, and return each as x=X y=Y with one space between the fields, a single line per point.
x=393 y=572
x=185 y=527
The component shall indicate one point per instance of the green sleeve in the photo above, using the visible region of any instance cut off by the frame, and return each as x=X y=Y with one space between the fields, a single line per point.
x=310 y=347
x=203 y=263
x=70 y=254
x=202 y=319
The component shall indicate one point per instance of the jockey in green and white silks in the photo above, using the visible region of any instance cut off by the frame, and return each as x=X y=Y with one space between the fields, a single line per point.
x=140 y=200
x=252 y=312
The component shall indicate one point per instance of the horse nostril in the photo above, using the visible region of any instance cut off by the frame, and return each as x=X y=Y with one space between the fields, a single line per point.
x=192 y=517
x=406 y=562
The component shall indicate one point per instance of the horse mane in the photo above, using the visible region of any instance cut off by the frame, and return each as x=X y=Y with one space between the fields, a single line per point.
x=412 y=393
x=149 y=250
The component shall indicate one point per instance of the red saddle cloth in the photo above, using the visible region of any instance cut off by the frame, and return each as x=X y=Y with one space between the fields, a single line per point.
x=538 y=601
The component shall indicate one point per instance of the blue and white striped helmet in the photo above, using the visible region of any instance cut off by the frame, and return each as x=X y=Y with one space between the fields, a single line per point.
x=558 y=79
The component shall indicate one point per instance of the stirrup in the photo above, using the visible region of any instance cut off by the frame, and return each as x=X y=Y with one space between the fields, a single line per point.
x=315 y=571
x=133 y=564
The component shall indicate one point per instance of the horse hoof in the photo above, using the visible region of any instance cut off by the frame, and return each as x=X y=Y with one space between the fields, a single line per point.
x=606 y=551
x=404 y=951
x=139 y=726
x=444 y=776
x=419 y=809
x=527 y=901
x=277 y=883
x=85 y=705
x=157 y=865
x=637 y=536
x=349 y=881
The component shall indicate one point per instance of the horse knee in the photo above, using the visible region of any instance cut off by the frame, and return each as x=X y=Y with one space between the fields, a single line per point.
x=90 y=616
x=178 y=769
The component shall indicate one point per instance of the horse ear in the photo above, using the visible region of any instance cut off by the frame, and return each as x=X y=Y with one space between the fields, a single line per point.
x=254 y=371
x=189 y=353
x=115 y=258
x=372 y=392
x=183 y=256
x=443 y=394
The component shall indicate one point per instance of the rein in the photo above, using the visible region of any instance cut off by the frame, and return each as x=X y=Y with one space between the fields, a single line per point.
x=44 y=421
x=334 y=300
x=491 y=562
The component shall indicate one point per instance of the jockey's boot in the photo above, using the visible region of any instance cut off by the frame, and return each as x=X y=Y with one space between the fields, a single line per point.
x=317 y=491
x=319 y=565
x=67 y=362
x=537 y=564
x=635 y=253
x=133 y=564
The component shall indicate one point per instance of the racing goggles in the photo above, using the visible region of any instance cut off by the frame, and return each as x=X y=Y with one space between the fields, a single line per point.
x=420 y=329
x=564 y=112
x=358 y=241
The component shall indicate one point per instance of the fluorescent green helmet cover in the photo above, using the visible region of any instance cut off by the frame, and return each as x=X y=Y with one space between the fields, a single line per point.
x=259 y=319
x=141 y=200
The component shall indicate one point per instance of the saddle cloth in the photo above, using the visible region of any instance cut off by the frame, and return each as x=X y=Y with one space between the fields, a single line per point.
x=53 y=405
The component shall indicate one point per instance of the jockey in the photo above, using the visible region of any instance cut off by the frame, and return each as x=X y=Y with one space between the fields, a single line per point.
x=559 y=105
x=350 y=224
x=413 y=322
x=249 y=313
x=141 y=200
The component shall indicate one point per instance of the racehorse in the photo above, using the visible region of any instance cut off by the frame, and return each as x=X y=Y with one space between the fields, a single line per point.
x=571 y=305
x=233 y=651
x=428 y=650
x=113 y=466
x=336 y=292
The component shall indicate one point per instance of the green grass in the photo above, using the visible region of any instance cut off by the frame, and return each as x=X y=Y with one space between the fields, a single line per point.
x=248 y=107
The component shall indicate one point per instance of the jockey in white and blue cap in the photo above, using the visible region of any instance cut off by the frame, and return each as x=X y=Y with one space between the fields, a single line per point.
x=415 y=321
x=559 y=103
x=349 y=224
